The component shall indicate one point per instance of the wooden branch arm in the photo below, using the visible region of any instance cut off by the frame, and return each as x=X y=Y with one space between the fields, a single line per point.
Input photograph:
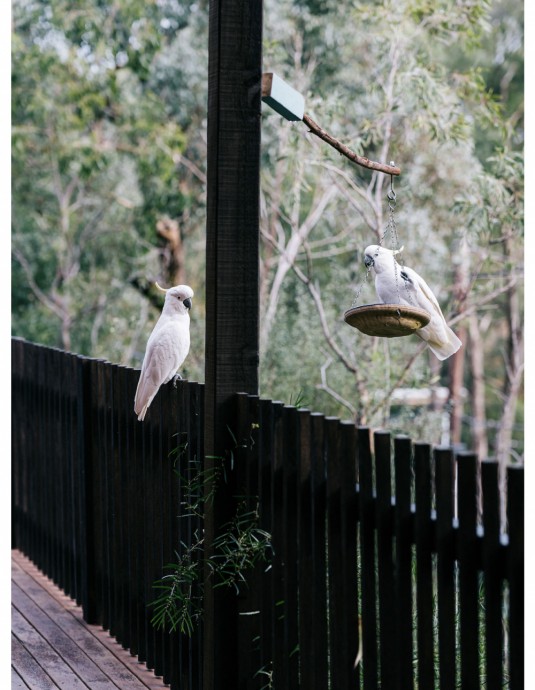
x=347 y=152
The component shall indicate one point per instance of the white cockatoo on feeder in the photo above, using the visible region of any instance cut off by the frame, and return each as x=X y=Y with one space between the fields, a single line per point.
x=167 y=347
x=411 y=290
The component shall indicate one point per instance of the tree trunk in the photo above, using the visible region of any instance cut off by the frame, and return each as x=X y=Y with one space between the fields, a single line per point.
x=456 y=384
x=513 y=384
x=476 y=354
x=460 y=290
x=514 y=370
x=173 y=255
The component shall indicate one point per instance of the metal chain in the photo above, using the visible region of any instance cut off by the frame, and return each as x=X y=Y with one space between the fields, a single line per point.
x=395 y=240
x=391 y=227
x=368 y=269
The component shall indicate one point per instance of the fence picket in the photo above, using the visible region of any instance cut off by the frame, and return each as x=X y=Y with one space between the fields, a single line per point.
x=17 y=435
x=169 y=394
x=445 y=567
x=403 y=561
x=318 y=576
x=115 y=503
x=195 y=433
x=85 y=432
x=75 y=518
x=98 y=488
x=515 y=574
x=424 y=570
x=385 y=560
x=468 y=573
x=126 y=419
x=153 y=560
x=306 y=556
x=246 y=463
x=336 y=557
x=290 y=547
x=185 y=464
x=493 y=575
x=367 y=546
x=349 y=519
x=269 y=415
x=108 y=523
x=44 y=530
x=136 y=519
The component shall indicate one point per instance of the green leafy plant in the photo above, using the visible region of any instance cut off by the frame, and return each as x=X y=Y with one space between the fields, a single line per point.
x=239 y=547
x=179 y=605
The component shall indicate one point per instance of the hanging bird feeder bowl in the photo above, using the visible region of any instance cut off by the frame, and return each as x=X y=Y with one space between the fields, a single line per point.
x=387 y=320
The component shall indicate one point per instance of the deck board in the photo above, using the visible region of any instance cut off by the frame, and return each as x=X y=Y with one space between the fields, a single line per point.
x=53 y=647
x=28 y=668
x=17 y=683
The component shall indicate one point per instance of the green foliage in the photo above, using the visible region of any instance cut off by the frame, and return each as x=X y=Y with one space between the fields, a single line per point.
x=179 y=606
x=94 y=169
x=240 y=545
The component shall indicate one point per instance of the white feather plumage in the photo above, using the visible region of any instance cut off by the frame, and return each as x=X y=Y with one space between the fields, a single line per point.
x=167 y=347
x=411 y=289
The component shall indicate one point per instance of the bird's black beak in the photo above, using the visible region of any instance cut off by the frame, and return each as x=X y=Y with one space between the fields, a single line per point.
x=368 y=260
x=187 y=303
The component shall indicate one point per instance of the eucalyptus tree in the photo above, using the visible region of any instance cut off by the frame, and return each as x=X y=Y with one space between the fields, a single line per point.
x=98 y=145
x=406 y=81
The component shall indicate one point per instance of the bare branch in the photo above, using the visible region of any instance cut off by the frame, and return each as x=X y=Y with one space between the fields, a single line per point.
x=485 y=300
x=399 y=380
x=324 y=386
x=180 y=159
x=365 y=196
x=39 y=294
x=346 y=151
x=323 y=320
x=288 y=255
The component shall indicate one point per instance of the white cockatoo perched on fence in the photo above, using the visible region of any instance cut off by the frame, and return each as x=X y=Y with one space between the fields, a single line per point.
x=167 y=347
x=411 y=290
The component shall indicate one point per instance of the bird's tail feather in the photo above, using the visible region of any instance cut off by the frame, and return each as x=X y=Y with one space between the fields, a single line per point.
x=145 y=392
x=444 y=350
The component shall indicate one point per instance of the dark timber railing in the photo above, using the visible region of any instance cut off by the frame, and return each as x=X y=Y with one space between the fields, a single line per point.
x=377 y=543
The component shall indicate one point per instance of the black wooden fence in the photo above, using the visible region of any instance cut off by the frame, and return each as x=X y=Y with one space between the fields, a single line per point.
x=378 y=548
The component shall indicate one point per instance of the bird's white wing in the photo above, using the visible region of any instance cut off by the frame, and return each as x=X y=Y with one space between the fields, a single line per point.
x=441 y=340
x=423 y=293
x=167 y=349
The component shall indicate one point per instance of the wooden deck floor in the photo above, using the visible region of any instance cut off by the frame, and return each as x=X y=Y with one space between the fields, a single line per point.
x=52 y=646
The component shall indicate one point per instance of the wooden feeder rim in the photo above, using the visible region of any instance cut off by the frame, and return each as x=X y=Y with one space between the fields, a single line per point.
x=387 y=320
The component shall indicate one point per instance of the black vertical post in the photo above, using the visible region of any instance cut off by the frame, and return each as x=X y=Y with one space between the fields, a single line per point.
x=368 y=559
x=515 y=574
x=445 y=566
x=85 y=486
x=468 y=569
x=403 y=560
x=388 y=650
x=493 y=571
x=424 y=565
x=232 y=300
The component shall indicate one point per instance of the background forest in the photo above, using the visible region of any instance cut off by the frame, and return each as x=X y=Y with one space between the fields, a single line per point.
x=109 y=186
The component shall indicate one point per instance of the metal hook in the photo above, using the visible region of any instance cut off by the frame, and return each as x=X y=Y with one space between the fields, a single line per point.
x=391 y=195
